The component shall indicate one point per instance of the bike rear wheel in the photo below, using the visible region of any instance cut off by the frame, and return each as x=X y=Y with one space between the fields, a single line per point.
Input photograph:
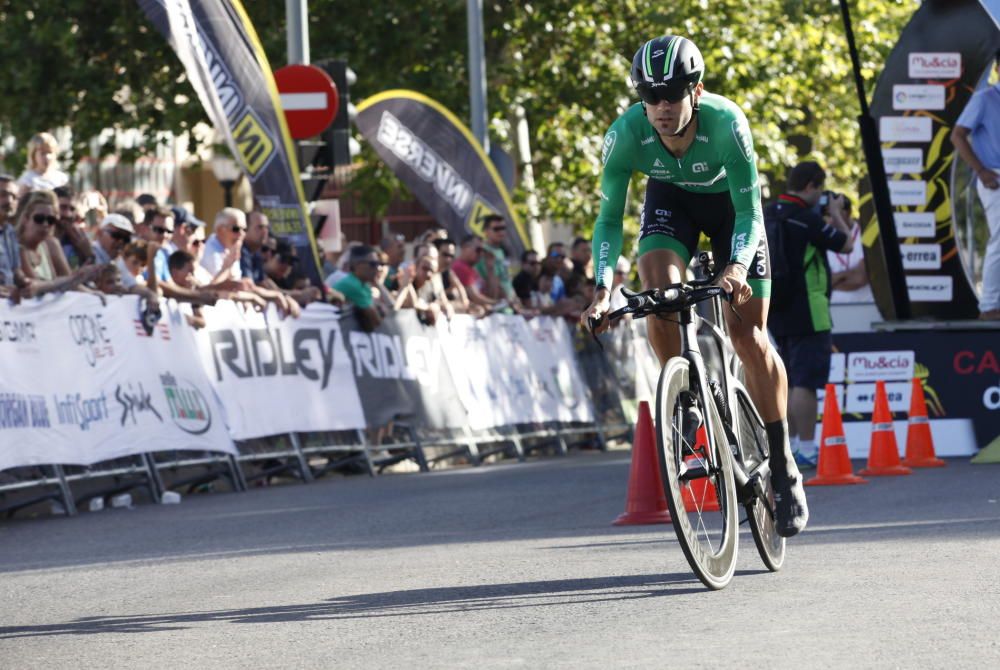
x=753 y=452
x=709 y=538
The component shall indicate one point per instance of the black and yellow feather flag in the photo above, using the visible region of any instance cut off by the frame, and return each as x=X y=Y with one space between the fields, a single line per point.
x=227 y=67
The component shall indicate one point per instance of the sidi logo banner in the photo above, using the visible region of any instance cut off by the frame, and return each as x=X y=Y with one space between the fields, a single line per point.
x=935 y=65
x=872 y=366
x=914 y=96
x=930 y=288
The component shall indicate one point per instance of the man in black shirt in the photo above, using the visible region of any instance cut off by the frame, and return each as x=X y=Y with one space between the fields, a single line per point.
x=801 y=323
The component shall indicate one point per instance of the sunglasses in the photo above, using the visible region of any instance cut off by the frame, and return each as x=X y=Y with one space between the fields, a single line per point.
x=239 y=229
x=45 y=218
x=498 y=229
x=443 y=255
x=532 y=262
x=556 y=254
x=672 y=92
x=374 y=264
x=160 y=230
x=197 y=243
x=120 y=235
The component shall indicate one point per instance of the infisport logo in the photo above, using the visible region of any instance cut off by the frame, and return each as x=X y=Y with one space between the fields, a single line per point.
x=870 y=366
x=937 y=65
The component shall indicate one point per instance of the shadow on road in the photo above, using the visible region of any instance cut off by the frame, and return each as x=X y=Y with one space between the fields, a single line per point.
x=392 y=604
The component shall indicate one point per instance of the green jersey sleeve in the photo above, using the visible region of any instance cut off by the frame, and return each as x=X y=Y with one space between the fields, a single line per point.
x=615 y=177
x=744 y=190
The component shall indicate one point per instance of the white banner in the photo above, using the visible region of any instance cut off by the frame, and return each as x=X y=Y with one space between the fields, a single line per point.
x=280 y=375
x=82 y=383
x=508 y=370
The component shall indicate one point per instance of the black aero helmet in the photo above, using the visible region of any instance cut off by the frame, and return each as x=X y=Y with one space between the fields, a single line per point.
x=666 y=68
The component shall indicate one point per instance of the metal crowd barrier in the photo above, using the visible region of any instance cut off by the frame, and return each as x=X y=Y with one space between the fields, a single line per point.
x=305 y=457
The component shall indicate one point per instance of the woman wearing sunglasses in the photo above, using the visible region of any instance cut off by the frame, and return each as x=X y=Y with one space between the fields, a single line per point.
x=42 y=258
x=697 y=150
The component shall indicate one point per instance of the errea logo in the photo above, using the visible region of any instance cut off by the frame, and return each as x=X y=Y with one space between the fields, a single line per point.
x=657 y=163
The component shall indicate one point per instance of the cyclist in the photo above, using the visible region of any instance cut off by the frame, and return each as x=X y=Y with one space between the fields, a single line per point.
x=697 y=151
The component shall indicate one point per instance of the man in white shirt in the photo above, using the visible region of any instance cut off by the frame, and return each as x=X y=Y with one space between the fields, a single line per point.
x=222 y=249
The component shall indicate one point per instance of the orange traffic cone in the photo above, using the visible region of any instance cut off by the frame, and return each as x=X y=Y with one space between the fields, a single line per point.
x=883 y=458
x=919 y=443
x=700 y=493
x=834 y=467
x=645 y=501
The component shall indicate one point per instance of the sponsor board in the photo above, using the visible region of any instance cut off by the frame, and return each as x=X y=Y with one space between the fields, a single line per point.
x=904 y=129
x=921 y=256
x=861 y=397
x=838 y=367
x=903 y=161
x=930 y=288
x=935 y=65
x=914 y=224
x=917 y=96
x=870 y=366
x=908 y=192
x=189 y=409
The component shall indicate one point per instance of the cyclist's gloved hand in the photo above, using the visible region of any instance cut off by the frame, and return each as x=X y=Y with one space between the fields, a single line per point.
x=734 y=280
x=597 y=311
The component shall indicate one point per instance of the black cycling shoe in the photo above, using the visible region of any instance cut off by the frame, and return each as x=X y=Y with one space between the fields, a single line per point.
x=790 y=508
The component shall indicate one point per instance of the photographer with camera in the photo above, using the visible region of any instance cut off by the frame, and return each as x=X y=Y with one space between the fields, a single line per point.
x=798 y=239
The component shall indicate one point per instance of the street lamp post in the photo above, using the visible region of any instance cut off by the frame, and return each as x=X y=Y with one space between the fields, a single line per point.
x=227 y=172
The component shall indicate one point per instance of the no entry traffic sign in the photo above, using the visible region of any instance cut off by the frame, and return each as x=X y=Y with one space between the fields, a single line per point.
x=309 y=98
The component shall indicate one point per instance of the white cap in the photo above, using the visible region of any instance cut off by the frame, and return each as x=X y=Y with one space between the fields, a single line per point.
x=623 y=265
x=118 y=221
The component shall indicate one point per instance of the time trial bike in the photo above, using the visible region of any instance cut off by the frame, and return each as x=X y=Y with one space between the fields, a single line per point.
x=712 y=446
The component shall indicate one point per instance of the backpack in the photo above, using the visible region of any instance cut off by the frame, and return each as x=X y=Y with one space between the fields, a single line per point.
x=781 y=271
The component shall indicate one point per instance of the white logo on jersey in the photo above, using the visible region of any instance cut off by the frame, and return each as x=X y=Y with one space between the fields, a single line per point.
x=701 y=138
x=647 y=140
x=657 y=163
x=609 y=145
x=700 y=167
x=742 y=135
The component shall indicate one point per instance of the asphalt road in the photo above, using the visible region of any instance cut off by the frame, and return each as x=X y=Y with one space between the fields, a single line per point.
x=501 y=566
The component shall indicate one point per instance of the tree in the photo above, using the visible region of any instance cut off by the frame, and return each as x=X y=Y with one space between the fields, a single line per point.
x=565 y=61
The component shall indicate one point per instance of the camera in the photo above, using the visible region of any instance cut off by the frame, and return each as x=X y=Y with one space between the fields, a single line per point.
x=827 y=196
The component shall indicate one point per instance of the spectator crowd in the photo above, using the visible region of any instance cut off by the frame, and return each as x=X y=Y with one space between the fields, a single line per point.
x=53 y=239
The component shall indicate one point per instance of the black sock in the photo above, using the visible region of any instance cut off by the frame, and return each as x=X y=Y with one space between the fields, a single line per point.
x=777 y=438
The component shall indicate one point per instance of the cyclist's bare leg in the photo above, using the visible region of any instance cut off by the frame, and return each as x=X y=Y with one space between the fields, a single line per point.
x=768 y=386
x=765 y=374
x=659 y=268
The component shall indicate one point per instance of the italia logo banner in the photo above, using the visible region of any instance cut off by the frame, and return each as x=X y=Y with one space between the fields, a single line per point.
x=227 y=67
x=437 y=157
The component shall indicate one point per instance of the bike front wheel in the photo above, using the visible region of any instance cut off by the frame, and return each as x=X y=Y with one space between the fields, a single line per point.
x=697 y=477
x=753 y=453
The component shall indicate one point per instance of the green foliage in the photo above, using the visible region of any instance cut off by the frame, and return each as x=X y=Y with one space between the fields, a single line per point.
x=97 y=65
